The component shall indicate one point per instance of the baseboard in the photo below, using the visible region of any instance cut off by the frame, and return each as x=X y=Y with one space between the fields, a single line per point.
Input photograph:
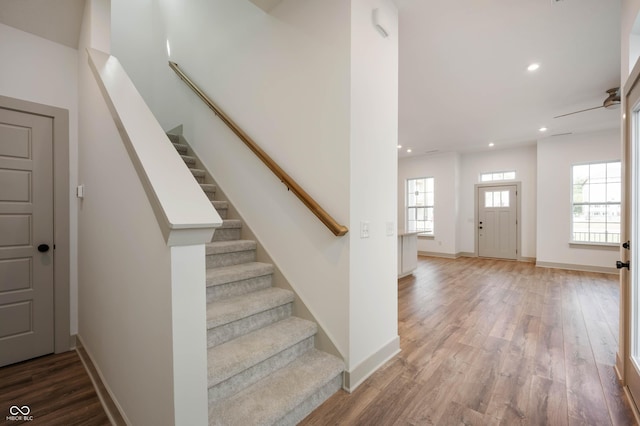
x=574 y=267
x=527 y=259
x=355 y=377
x=110 y=407
x=466 y=254
x=436 y=254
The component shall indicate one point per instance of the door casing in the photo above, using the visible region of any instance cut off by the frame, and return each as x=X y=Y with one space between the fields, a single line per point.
x=61 y=228
x=518 y=213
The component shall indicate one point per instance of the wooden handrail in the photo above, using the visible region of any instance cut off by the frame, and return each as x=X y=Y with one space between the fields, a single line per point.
x=337 y=229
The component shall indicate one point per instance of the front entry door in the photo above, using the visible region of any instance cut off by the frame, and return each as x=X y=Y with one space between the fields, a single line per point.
x=497 y=221
x=26 y=236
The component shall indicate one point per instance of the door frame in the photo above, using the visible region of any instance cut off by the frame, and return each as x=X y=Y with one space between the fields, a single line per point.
x=476 y=223
x=61 y=228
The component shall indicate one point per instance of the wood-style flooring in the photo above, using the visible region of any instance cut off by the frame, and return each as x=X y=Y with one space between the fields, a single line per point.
x=57 y=390
x=489 y=342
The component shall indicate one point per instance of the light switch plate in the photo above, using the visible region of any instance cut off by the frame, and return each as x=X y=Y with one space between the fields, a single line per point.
x=364 y=229
x=390 y=229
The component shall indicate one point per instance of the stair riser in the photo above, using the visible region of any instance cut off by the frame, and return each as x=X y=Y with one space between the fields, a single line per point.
x=211 y=195
x=259 y=371
x=222 y=213
x=314 y=401
x=199 y=179
x=237 y=288
x=228 y=259
x=226 y=234
x=190 y=162
x=226 y=332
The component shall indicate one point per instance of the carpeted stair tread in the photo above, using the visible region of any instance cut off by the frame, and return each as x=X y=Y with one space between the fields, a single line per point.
x=189 y=160
x=272 y=398
x=173 y=138
x=181 y=148
x=243 y=271
x=199 y=173
x=208 y=187
x=219 y=247
x=233 y=357
x=230 y=223
x=235 y=308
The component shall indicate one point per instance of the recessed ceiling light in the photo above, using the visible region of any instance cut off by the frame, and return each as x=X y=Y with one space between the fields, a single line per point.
x=491 y=145
x=399 y=146
x=543 y=129
x=409 y=150
x=533 y=67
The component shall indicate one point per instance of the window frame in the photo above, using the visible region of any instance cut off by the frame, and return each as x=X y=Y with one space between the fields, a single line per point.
x=573 y=204
x=503 y=172
x=409 y=207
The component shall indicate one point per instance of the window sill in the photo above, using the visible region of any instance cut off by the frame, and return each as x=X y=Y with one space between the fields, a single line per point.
x=597 y=246
x=426 y=236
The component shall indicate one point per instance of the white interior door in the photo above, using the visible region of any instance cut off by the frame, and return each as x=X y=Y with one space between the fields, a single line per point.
x=498 y=221
x=26 y=236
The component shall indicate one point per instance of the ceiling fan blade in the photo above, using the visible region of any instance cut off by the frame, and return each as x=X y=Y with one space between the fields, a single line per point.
x=576 y=112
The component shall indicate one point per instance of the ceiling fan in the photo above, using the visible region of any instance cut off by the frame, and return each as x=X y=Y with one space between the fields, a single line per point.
x=612 y=101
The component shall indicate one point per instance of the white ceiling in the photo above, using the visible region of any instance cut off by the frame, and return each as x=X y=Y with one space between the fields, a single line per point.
x=463 y=77
x=55 y=20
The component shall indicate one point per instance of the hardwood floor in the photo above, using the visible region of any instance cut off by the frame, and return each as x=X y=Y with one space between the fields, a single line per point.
x=489 y=342
x=56 y=388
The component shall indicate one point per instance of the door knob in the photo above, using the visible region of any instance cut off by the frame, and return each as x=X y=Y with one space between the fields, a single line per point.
x=43 y=248
x=621 y=265
x=626 y=245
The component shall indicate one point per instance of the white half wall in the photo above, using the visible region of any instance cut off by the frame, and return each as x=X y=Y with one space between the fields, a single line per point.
x=38 y=70
x=555 y=157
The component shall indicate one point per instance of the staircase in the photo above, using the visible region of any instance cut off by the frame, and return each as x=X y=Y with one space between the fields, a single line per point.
x=263 y=368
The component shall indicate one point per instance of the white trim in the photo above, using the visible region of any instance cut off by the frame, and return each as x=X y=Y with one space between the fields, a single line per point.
x=355 y=377
x=574 y=267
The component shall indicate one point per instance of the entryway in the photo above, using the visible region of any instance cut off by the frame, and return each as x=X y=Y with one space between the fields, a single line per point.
x=497 y=220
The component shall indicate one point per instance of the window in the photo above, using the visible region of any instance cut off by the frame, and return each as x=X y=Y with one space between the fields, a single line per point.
x=488 y=177
x=596 y=194
x=420 y=205
x=496 y=199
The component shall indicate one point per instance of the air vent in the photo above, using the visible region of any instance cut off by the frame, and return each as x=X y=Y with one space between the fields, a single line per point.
x=562 y=134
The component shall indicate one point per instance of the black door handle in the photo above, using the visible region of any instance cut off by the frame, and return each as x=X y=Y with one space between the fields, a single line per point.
x=621 y=265
x=626 y=245
x=43 y=248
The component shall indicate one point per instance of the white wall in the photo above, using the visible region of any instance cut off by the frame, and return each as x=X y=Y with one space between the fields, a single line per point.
x=555 y=158
x=286 y=78
x=39 y=70
x=523 y=161
x=373 y=175
x=444 y=168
